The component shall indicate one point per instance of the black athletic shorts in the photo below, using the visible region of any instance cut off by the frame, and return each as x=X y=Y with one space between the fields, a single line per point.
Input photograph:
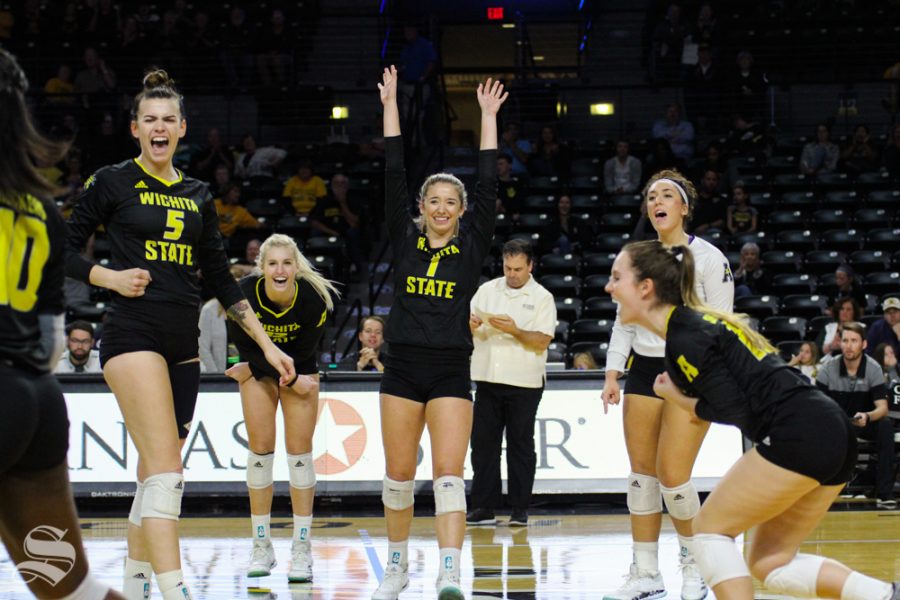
x=34 y=422
x=173 y=333
x=423 y=380
x=811 y=435
x=307 y=366
x=642 y=372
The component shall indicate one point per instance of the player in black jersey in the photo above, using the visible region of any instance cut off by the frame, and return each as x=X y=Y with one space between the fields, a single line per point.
x=163 y=230
x=719 y=369
x=292 y=301
x=426 y=378
x=36 y=504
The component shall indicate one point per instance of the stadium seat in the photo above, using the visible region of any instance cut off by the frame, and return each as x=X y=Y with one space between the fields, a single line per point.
x=590 y=330
x=826 y=285
x=823 y=261
x=532 y=222
x=568 y=309
x=832 y=181
x=564 y=286
x=561 y=331
x=593 y=285
x=597 y=263
x=626 y=201
x=803 y=305
x=798 y=240
x=787 y=182
x=598 y=351
x=586 y=185
x=841 y=240
x=617 y=221
x=846 y=199
x=876 y=181
x=539 y=203
x=883 y=239
x=610 y=242
x=816 y=325
x=798 y=201
x=883 y=198
x=268 y=208
x=781 y=261
x=764 y=201
x=547 y=185
x=882 y=283
x=873 y=218
x=589 y=203
x=785 y=284
x=586 y=167
x=532 y=238
x=558 y=264
x=829 y=218
x=294 y=225
x=758 y=307
x=780 y=220
x=759 y=238
x=599 y=307
x=869 y=261
x=783 y=328
x=788 y=348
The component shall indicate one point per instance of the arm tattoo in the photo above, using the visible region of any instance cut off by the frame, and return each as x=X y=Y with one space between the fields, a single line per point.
x=238 y=313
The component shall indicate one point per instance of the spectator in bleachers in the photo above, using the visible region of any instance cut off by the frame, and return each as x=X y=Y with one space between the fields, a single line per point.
x=849 y=286
x=169 y=43
x=371 y=344
x=203 y=48
x=845 y=310
x=806 y=360
x=275 y=52
x=79 y=357
x=337 y=215
x=667 y=45
x=130 y=43
x=856 y=382
x=706 y=28
x=886 y=330
x=885 y=356
x=584 y=361
x=95 y=78
x=891 y=155
x=255 y=161
x=714 y=160
x=509 y=189
x=518 y=149
x=549 y=158
x=662 y=158
x=245 y=264
x=751 y=278
x=622 y=172
x=59 y=89
x=742 y=218
x=860 y=154
x=209 y=157
x=221 y=178
x=821 y=155
x=704 y=90
x=105 y=21
x=233 y=216
x=213 y=340
x=108 y=145
x=748 y=87
x=237 y=57
x=746 y=137
x=677 y=131
x=304 y=189
x=711 y=211
x=565 y=233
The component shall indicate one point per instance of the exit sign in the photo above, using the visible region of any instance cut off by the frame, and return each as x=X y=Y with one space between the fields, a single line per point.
x=495 y=13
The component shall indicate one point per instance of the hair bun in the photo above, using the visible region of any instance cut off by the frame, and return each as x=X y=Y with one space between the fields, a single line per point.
x=157 y=78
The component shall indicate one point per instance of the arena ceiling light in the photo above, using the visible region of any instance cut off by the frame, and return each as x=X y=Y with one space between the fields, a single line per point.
x=603 y=109
x=340 y=112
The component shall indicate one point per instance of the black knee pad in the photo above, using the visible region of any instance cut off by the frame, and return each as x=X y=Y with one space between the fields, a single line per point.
x=185 y=381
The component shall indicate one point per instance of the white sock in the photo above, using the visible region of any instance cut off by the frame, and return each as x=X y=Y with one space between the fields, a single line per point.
x=171 y=584
x=450 y=561
x=302 y=528
x=398 y=553
x=646 y=556
x=863 y=587
x=686 y=554
x=261 y=526
x=136 y=585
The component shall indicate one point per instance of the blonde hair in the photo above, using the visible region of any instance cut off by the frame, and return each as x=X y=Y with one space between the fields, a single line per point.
x=679 y=179
x=324 y=287
x=440 y=178
x=672 y=273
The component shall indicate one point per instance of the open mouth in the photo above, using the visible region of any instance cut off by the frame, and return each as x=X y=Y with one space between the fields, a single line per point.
x=159 y=142
x=660 y=214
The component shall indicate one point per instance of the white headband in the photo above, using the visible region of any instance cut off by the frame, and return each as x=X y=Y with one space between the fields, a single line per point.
x=673 y=182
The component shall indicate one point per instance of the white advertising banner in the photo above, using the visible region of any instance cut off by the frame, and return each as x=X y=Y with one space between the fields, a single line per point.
x=579 y=449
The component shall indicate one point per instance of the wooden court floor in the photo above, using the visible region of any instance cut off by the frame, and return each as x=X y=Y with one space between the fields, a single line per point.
x=555 y=558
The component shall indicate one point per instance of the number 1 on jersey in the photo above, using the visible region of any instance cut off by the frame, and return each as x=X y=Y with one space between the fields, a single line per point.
x=174 y=224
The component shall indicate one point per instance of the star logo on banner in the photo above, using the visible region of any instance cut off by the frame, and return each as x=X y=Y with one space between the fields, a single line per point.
x=340 y=437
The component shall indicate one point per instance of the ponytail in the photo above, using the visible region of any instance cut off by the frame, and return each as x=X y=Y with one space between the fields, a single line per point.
x=672 y=271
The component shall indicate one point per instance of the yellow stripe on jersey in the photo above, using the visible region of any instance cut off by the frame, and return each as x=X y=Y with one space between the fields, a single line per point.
x=278 y=315
x=160 y=179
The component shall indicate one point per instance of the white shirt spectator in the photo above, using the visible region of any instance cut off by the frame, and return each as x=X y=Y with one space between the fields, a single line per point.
x=91 y=366
x=213 y=339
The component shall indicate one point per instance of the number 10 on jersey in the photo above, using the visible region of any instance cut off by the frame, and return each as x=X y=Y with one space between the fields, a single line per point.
x=27 y=248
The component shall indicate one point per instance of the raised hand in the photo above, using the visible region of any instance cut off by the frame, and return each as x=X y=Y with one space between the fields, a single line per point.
x=388 y=86
x=491 y=96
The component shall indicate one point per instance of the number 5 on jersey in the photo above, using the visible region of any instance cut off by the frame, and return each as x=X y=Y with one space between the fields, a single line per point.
x=174 y=224
x=27 y=249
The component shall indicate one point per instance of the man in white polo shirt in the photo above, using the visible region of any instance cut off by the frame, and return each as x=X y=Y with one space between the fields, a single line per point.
x=513 y=320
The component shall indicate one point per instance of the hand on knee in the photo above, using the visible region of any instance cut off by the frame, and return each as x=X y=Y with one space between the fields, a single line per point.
x=305 y=385
x=682 y=501
x=643 y=495
x=162 y=496
x=449 y=495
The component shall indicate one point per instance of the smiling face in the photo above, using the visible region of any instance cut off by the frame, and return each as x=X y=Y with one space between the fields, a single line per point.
x=623 y=286
x=441 y=207
x=666 y=208
x=279 y=267
x=158 y=127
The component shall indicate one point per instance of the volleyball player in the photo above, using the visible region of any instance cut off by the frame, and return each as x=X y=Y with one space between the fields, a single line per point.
x=163 y=230
x=292 y=301
x=718 y=369
x=426 y=378
x=36 y=506
x=662 y=442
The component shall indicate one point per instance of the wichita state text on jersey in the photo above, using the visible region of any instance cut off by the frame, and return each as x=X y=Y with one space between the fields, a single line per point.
x=32 y=271
x=433 y=287
x=168 y=228
x=296 y=329
x=736 y=382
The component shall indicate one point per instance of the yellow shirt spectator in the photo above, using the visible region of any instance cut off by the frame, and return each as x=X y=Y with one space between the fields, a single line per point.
x=304 y=189
x=232 y=215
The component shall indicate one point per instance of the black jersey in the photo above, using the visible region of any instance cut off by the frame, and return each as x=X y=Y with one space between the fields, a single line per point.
x=32 y=271
x=296 y=330
x=433 y=287
x=168 y=228
x=736 y=382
